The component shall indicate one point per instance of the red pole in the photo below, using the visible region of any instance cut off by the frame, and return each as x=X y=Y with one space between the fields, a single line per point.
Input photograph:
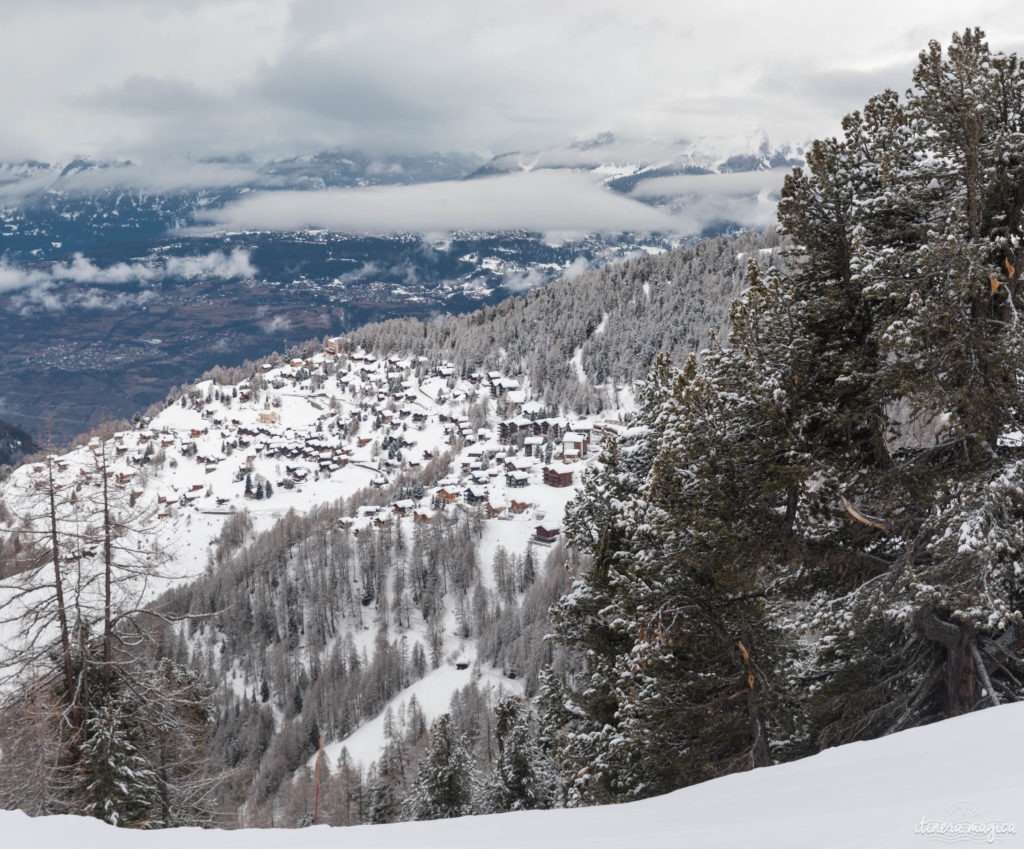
x=316 y=798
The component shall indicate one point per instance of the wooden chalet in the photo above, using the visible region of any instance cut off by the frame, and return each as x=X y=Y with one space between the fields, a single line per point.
x=575 y=443
x=447 y=496
x=556 y=478
x=517 y=479
x=475 y=494
x=546 y=534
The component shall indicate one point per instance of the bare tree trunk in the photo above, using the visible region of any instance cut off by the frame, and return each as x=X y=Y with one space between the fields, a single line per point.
x=62 y=618
x=759 y=754
x=983 y=674
x=107 y=568
x=960 y=670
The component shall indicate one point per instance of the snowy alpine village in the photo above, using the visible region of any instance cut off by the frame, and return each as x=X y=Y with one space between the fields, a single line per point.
x=511 y=425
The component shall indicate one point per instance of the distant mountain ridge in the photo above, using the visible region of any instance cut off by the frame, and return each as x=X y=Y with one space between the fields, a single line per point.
x=623 y=163
x=50 y=209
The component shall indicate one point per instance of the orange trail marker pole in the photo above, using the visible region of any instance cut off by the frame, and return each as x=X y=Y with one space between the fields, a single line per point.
x=316 y=797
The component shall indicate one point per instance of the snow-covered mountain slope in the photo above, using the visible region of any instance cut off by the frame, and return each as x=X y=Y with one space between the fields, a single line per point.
x=317 y=432
x=415 y=480
x=952 y=782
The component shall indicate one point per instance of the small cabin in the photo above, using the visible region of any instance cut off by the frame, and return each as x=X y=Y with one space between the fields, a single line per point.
x=475 y=494
x=447 y=496
x=546 y=534
x=517 y=479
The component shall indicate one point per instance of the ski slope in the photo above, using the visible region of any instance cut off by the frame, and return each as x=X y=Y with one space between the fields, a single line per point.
x=957 y=782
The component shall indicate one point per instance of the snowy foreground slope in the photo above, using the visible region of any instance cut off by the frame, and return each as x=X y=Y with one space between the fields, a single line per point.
x=918 y=788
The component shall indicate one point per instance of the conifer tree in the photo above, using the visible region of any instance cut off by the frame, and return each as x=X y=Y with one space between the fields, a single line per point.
x=845 y=469
x=445 y=777
x=523 y=777
x=119 y=785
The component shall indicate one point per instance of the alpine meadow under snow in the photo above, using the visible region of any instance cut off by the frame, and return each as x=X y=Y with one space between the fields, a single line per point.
x=741 y=517
x=895 y=793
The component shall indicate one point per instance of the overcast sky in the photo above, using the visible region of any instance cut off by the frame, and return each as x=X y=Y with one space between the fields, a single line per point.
x=271 y=77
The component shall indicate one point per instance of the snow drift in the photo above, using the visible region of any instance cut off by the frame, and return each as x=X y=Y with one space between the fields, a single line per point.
x=955 y=781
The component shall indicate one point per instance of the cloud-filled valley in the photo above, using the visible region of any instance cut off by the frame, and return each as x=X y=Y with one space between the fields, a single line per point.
x=540 y=201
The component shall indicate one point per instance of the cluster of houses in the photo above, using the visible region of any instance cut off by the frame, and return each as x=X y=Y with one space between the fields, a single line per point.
x=373 y=424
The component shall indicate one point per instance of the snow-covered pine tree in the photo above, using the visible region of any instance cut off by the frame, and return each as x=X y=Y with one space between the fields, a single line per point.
x=445 y=778
x=118 y=784
x=523 y=777
x=919 y=622
x=579 y=717
x=846 y=469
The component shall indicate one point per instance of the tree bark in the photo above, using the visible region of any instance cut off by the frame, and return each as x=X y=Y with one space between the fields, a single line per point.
x=107 y=567
x=960 y=670
x=58 y=580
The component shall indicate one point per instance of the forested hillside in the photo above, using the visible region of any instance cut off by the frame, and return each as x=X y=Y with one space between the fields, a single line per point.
x=804 y=525
x=578 y=339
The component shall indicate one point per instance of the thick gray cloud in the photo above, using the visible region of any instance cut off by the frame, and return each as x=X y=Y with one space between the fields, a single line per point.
x=697 y=200
x=142 y=78
x=546 y=201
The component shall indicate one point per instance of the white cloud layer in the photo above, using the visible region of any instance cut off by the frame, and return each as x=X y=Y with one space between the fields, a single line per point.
x=700 y=200
x=539 y=201
x=713 y=185
x=106 y=77
x=81 y=270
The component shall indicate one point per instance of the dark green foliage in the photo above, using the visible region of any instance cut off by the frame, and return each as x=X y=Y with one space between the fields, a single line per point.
x=119 y=785
x=445 y=777
x=523 y=777
x=15 y=443
x=815 y=534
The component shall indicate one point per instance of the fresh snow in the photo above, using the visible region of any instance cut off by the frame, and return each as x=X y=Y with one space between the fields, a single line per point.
x=296 y=436
x=434 y=694
x=953 y=782
x=577 y=365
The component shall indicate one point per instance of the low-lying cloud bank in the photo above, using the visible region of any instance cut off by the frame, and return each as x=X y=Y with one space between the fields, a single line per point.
x=82 y=284
x=540 y=201
x=82 y=270
x=545 y=201
x=713 y=185
x=699 y=201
